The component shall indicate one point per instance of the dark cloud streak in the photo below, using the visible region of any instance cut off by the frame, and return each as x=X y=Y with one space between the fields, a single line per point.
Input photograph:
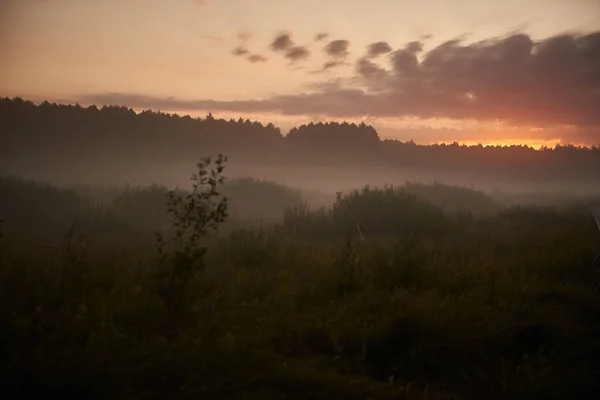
x=337 y=48
x=282 y=42
x=240 y=51
x=368 y=69
x=321 y=36
x=313 y=104
x=378 y=48
x=414 y=47
x=256 y=58
x=332 y=64
x=297 y=53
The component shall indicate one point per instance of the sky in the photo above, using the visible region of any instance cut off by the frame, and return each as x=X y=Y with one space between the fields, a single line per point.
x=484 y=71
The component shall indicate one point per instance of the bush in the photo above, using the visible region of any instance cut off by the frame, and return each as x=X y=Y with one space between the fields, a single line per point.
x=370 y=211
x=194 y=214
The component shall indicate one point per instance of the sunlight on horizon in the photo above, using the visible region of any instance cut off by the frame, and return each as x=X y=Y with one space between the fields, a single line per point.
x=533 y=143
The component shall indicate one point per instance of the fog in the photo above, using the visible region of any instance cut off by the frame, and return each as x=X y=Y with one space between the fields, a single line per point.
x=114 y=146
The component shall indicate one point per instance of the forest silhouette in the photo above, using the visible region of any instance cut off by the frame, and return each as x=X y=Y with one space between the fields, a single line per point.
x=65 y=138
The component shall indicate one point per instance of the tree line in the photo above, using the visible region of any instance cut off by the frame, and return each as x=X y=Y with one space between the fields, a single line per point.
x=73 y=134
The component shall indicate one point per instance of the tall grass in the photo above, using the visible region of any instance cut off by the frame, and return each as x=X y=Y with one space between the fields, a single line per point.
x=382 y=295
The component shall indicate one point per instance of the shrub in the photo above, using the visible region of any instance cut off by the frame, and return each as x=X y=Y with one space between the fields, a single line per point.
x=194 y=215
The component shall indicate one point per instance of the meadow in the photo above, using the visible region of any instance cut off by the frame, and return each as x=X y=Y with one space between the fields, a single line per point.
x=419 y=291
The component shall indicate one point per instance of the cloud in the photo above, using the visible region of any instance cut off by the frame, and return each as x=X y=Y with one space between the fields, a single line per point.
x=368 y=69
x=256 y=58
x=321 y=36
x=332 y=64
x=414 y=47
x=378 y=48
x=554 y=82
x=297 y=53
x=251 y=57
x=337 y=48
x=329 y=65
x=369 y=75
x=244 y=36
x=513 y=78
x=283 y=104
x=240 y=51
x=282 y=42
x=404 y=62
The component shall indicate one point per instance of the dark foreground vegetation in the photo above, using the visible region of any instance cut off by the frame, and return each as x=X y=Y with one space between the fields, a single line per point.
x=416 y=292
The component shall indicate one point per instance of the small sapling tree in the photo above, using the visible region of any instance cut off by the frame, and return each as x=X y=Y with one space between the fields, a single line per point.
x=194 y=215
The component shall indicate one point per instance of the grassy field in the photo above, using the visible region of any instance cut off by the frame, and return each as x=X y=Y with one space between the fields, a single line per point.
x=415 y=292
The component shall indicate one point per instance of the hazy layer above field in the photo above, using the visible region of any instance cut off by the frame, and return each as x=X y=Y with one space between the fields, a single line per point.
x=114 y=146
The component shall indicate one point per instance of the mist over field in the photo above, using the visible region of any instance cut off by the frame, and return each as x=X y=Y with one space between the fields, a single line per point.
x=66 y=144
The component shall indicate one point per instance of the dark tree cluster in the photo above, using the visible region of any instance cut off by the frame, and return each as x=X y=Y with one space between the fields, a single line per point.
x=112 y=130
x=67 y=136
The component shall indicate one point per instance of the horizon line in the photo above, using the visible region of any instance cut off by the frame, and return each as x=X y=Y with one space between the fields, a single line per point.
x=508 y=143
